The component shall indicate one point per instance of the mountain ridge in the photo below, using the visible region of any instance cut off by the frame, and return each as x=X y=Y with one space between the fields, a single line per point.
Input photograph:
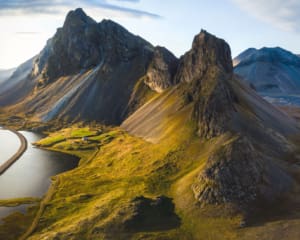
x=105 y=50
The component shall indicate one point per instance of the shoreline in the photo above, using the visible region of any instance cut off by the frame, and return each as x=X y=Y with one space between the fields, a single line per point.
x=17 y=155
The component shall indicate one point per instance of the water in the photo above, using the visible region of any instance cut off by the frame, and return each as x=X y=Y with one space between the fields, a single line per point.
x=8 y=138
x=30 y=175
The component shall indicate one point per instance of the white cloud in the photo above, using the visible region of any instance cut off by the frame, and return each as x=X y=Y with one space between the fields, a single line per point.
x=56 y=7
x=281 y=14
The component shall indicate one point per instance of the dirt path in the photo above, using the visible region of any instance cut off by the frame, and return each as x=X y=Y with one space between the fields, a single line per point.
x=17 y=155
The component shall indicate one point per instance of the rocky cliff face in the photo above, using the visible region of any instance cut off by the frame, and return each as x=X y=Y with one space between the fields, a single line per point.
x=207 y=51
x=206 y=69
x=161 y=70
x=241 y=174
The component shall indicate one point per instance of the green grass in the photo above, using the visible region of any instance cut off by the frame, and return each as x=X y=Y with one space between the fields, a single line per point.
x=121 y=168
x=18 y=201
x=89 y=199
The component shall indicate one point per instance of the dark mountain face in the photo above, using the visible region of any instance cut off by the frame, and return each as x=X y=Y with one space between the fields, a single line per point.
x=92 y=71
x=82 y=44
x=161 y=70
x=270 y=70
x=216 y=52
x=206 y=68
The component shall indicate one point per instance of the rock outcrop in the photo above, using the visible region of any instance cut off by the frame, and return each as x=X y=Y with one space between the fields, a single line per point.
x=150 y=214
x=206 y=69
x=207 y=51
x=239 y=173
x=161 y=70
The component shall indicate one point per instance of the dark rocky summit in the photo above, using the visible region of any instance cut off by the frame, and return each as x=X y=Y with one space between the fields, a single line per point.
x=207 y=51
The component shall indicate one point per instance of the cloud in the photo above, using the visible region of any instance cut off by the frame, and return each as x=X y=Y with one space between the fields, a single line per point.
x=128 y=0
x=55 y=7
x=281 y=14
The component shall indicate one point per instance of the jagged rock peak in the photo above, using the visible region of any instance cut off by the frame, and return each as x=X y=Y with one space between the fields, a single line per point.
x=207 y=51
x=77 y=17
x=216 y=49
x=82 y=43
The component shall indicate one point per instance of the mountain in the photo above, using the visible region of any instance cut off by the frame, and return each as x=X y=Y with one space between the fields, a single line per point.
x=5 y=74
x=89 y=71
x=209 y=94
x=270 y=70
x=16 y=86
x=197 y=153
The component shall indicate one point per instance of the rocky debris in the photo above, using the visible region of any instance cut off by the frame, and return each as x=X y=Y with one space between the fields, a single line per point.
x=161 y=70
x=238 y=173
x=150 y=214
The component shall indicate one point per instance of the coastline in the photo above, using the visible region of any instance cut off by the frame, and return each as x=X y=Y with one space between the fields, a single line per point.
x=18 y=154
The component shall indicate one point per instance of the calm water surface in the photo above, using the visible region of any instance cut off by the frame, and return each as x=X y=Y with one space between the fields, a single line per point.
x=9 y=144
x=30 y=175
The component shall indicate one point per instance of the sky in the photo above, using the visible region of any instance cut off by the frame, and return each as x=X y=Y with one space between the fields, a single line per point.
x=25 y=25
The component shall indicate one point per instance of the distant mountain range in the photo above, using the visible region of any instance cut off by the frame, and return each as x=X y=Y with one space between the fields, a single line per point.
x=5 y=74
x=270 y=70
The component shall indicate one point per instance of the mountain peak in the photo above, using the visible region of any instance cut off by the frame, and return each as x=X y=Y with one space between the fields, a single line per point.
x=207 y=51
x=77 y=17
x=216 y=50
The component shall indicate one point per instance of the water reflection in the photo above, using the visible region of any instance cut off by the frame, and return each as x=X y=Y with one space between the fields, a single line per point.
x=30 y=175
x=9 y=144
